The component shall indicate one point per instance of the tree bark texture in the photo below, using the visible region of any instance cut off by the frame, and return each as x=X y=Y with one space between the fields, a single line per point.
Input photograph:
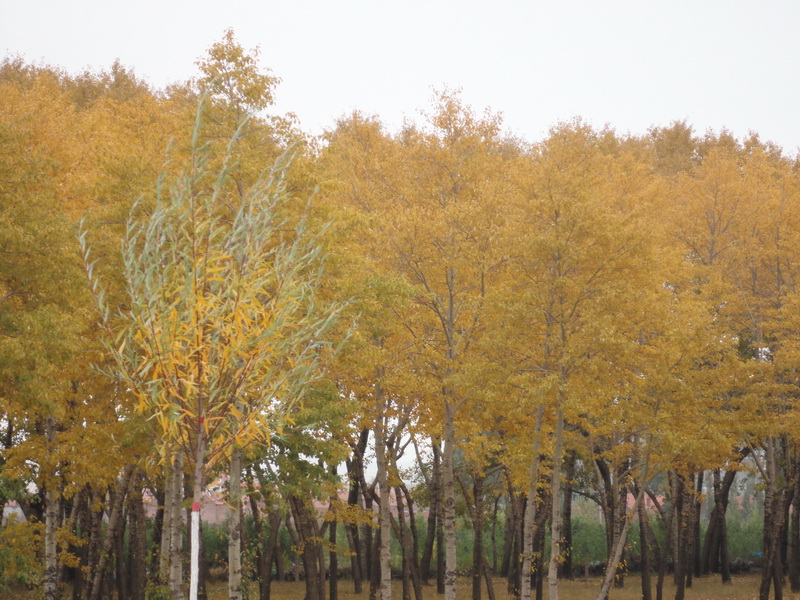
x=235 y=526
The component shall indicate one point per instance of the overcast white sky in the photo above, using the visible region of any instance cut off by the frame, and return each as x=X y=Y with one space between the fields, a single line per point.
x=630 y=64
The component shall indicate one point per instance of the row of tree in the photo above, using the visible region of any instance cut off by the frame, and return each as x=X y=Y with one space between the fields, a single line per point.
x=608 y=315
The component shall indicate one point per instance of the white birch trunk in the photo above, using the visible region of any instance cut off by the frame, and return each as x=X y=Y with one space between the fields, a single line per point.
x=530 y=509
x=197 y=492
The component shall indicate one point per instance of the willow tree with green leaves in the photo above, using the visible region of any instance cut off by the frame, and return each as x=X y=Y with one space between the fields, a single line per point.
x=223 y=331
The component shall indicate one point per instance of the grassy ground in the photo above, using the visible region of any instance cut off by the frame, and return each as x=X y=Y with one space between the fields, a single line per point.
x=744 y=587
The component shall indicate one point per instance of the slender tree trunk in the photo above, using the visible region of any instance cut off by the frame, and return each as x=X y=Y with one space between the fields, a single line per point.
x=333 y=589
x=620 y=512
x=690 y=505
x=698 y=508
x=235 y=526
x=273 y=553
x=430 y=535
x=565 y=568
x=495 y=511
x=197 y=495
x=540 y=528
x=405 y=544
x=668 y=543
x=52 y=508
x=167 y=514
x=508 y=533
x=477 y=527
x=175 y=552
x=137 y=580
x=555 y=523
x=351 y=531
x=644 y=545
x=530 y=508
x=794 y=535
x=487 y=575
x=114 y=523
x=309 y=541
x=440 y=558
x=416 y=579
x=772 y=573
x=451 y=572
x=710 y=560
x=262 y=567
x=85 y=517
x=357 y=553
x=383 y=486
x=680 y=538
x=375 y=581
x=517 y=509
x=619 y=545
x=51 y=586
x=119 y=552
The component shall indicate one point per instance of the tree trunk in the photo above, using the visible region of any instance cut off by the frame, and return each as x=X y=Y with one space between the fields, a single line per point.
x=86 y=523
x=793 y=562
x=477 y=527
x=440 y=558
x=644 y=546
x=357 y=554
x=619 y=545
x=680 y=538
x=405 y=544
x=114 y=522
x=309 y=542
x=119 y=552
x=668 y=543
x=235 y=526
x=530 y=508
x=383 y=487
x=52 y=507
x=517 y=505
x=175 y=549
x=620 y=512
x=495 y=512
x=698 y=507
x=430 y=535
x=333 y=579
x=690 y=504
x=166 y=508
x=508 y=534
x=137 y=579
x=413 y=550
x=451 y=571
x=772 y=572
x=198 y=484
x=565 y=568
x=715 y=549
x=555 y=522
